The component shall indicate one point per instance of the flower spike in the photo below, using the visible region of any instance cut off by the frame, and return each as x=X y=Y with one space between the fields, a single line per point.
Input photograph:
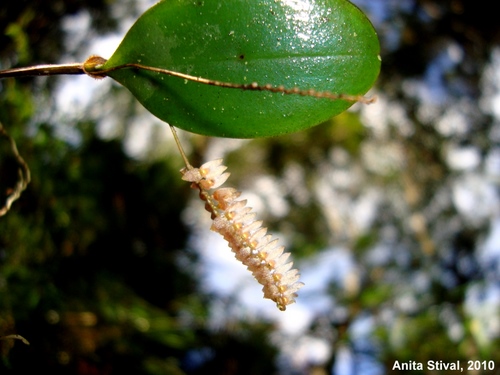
x=246 y=236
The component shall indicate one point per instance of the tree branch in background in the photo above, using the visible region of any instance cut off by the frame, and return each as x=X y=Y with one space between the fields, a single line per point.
x=22 y=171
x=15 y=337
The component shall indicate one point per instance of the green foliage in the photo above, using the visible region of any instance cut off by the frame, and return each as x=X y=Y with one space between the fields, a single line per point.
x=69 y=257
x=94 y=268
x=19 y=35
x=325 y=45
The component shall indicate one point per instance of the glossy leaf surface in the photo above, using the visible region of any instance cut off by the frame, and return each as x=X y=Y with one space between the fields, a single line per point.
x=327 y=45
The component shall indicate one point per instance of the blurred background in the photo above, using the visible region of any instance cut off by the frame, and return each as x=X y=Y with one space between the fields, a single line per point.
x=391 y=212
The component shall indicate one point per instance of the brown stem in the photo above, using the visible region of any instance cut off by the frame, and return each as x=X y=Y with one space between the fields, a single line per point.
x=23 y=174
x=43 y=70
x=93 y=67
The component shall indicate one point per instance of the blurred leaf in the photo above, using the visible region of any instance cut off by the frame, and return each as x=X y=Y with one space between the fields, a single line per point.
x=18 y=33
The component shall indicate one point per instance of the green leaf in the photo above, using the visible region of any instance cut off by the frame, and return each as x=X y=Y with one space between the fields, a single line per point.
x=326 y=45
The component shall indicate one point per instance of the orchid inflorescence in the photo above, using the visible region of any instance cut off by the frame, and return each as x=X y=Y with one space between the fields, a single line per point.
x=247 y=238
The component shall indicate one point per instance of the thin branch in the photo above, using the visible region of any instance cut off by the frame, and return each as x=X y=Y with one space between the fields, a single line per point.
x=24 y=175
x=43 y=70
x=15 y=337
x=93 y=67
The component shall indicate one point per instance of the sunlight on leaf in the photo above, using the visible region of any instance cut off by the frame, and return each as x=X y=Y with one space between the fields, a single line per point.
x=325 y=45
